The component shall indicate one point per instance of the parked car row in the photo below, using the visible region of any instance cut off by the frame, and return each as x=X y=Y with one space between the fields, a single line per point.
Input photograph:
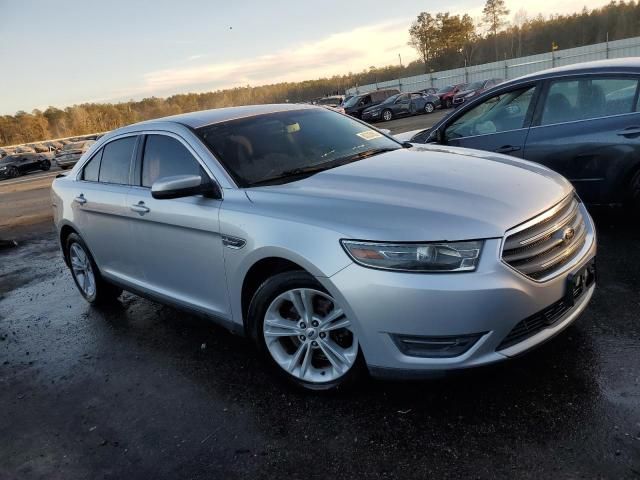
x=21 y=159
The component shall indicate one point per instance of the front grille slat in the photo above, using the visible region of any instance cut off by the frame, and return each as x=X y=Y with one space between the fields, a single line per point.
x=548 y=241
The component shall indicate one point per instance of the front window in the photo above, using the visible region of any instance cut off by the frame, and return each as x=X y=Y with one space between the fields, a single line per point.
x=499 y=113
x=445 y=89
x=475 y=86
x=283 y=146
x=351 y=102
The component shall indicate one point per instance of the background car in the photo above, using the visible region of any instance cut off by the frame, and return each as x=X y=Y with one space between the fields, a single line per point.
x=429 y=91
x=582 y=121
x=358 y=103
x=71 y=153
x=447 y=93
x=400 y=105
x=13 y=166
x=474 y=89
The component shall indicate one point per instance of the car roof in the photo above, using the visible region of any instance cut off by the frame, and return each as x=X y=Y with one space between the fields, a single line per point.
x=618 y=65
x=208 y=117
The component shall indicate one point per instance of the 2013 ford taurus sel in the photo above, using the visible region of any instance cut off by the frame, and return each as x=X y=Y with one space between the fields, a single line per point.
x=334 y=247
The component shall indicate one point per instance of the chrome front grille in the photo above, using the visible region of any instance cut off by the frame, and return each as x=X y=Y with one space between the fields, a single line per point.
x=541 y=246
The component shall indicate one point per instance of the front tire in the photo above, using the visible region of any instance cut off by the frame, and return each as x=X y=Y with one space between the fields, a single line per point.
x=387 y=115
x=304 y=333
x=448 y=103
x=85 y=273
x=13 y=172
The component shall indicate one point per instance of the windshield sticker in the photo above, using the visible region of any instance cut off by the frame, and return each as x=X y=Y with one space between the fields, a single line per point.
x=369 y=135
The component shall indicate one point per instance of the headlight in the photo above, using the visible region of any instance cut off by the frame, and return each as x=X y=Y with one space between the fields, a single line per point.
x=3 y=168
x=416 y=257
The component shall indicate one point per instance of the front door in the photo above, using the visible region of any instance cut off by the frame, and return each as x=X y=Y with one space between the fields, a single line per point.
x=499 y=124
x=178 y=240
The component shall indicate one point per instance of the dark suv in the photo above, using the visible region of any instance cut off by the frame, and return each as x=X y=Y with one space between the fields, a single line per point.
x=356 y=104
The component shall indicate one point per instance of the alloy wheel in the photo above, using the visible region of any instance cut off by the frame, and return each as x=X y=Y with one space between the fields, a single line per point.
x=82 y=270
x=428 y=107
x=386 y=115
x=309 y=336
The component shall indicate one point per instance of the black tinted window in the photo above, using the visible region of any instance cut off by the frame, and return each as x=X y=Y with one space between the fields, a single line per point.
x=92 y=168
x=165 y=157
x=116 y=161
x=570 y=100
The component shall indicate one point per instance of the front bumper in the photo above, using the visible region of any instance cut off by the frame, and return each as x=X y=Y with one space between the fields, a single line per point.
x=490 y=302
x=371 y=116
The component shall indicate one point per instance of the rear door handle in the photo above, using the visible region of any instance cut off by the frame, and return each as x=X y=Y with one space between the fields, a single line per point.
x=629 y=131
x=140 y=208
x=80 y=199
x=507 y=149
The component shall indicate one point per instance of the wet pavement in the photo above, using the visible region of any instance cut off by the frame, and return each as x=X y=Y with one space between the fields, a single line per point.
x=139 y=390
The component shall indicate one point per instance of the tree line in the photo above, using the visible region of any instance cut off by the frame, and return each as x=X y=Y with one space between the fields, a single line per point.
x=442 y=40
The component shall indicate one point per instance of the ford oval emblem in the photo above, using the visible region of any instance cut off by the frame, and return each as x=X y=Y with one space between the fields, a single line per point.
x=568 y=234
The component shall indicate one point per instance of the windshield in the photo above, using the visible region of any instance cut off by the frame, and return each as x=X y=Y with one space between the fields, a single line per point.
x=275 y=146
x=352 y=101
x=391 y=99
x=474 y=86
x=445 y=89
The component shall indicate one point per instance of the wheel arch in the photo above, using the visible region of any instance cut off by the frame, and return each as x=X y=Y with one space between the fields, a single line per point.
x=257 y=274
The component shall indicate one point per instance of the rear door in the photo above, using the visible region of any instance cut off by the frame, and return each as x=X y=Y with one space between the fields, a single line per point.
x=588 y=129
x=500 y=123
x=100 y=211
x=177 y=241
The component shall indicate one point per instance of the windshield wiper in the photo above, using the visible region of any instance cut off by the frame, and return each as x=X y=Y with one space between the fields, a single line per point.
x=319 y=167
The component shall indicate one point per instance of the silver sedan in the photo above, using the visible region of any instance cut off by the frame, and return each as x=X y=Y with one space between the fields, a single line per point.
x=337 y=249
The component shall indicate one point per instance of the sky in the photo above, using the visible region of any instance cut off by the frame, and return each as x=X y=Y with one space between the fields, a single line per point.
x=67 y=52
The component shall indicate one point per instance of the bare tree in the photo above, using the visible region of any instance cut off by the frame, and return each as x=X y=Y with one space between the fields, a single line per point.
x=423 y=37
x=520 y=19
x=493 y=13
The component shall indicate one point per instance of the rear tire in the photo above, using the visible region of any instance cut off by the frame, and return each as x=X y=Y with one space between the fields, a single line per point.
x=298 y=344
x=86 y=275
x=45 y=165
x=429 y=107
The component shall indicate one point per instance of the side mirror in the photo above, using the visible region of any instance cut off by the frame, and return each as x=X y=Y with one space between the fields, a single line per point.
x=183 y=186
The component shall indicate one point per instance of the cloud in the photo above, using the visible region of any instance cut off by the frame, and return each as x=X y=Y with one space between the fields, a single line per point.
x=338 y=53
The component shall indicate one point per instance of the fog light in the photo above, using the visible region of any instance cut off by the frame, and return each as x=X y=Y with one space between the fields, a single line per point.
x=435 y=347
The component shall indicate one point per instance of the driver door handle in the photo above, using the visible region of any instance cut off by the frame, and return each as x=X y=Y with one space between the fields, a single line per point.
x=629 y=131
x=80 y=199
x=140 y=208
x=507 y=149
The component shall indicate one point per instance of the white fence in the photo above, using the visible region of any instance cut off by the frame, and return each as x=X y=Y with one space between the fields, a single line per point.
x=508 y=69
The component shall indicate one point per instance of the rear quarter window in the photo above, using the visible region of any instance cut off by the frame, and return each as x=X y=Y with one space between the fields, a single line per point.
x=91 y=170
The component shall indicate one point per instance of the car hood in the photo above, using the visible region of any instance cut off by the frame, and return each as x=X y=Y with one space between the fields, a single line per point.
x=418 y=194
x=467 y=92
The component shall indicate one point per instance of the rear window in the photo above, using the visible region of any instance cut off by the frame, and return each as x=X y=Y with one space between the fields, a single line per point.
x=116 y=161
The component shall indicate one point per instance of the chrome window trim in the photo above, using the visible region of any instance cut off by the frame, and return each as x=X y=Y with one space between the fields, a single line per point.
x=584 y=120
x=484 y=135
